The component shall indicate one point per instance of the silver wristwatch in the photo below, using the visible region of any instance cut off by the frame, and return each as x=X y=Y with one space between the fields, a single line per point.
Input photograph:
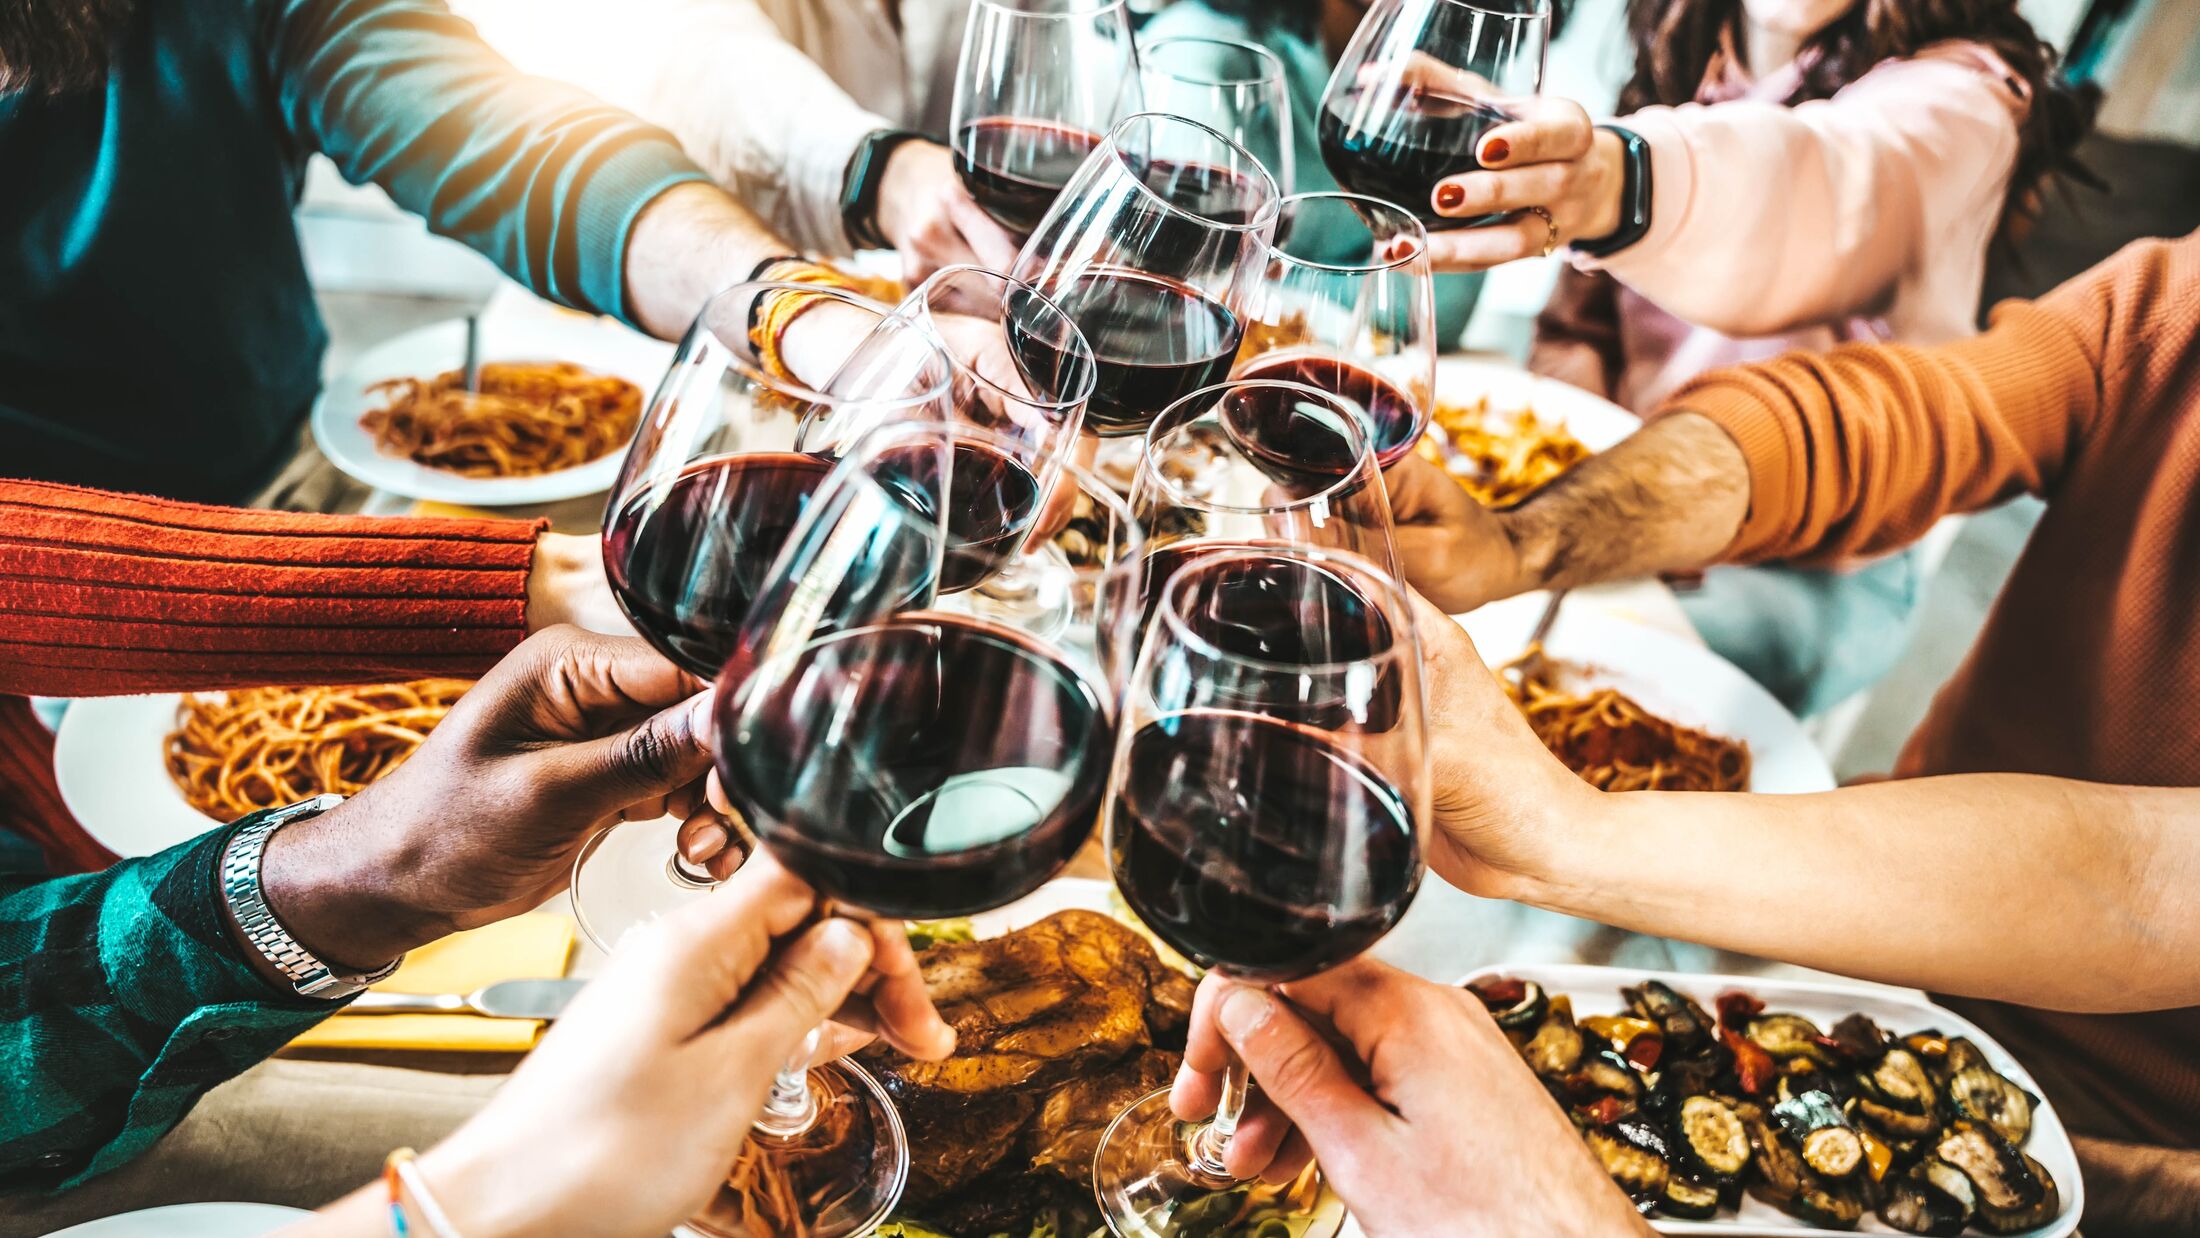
x=241 y=887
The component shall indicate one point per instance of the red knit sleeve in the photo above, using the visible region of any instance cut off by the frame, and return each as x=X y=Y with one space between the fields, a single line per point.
x=106 y=593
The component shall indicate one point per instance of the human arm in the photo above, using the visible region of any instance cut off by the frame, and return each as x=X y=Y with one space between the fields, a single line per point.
x=663 y=1062
x=110 y=593
x=1423 y=1116
x=567 y=194
x=1837 y=199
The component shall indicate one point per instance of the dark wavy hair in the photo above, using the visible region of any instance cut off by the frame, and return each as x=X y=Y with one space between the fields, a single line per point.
x=1675 y=40
x=54 y=47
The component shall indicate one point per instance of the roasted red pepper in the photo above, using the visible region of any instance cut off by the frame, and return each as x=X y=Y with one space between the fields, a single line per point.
x=1645 y=1050
x=1603 y=1111
x=1737 y=1008
x=1753 y=1067
x=1500 y=994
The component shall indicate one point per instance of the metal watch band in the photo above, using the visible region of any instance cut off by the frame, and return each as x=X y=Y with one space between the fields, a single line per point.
x=1634 y=196
x=241 y=887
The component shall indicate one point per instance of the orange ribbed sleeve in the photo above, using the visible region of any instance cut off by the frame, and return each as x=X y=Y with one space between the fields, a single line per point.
x=107 y=593
x=1859 y=450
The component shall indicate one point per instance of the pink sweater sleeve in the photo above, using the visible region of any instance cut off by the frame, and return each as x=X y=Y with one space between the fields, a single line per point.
x=1766 y=218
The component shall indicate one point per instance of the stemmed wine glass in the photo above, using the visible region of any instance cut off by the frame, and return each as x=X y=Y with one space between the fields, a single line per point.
x=1264 y=813
x=1418 y=86
x=1346 y=302
x=1150 y=249
x=1039 y=82
x=709 y=491
x=1235 y=88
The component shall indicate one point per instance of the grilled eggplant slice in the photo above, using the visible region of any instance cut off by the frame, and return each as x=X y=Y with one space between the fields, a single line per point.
x=1603 y=1072
x=1634 y=1152
x=1893 y=1123
x=2002 y=1174
x=1684 y=1023
x=1933 y=1198
x=1555 y=1049
x=1713 y=1142
x=1858 y=1040
x=1689 y=1199
x=1780 y=1168
x=1787 y=1036
x=1962 y=1056
x=1830 y=1147
x=1835 y=1205
x=1517 y=1005
x=2014 y=1220
x=1899 y=1082
x=1689 y=1076
x=1983 y=1095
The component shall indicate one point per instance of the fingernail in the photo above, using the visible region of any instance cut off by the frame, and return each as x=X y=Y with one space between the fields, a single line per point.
x=1243 y=1011
x=1450 y=197
x=1495 y=150
x=705 y=845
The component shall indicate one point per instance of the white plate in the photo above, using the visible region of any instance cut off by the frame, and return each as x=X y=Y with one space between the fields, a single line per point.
x=596 y=344
x=1671 y=678
x=188 y=1221
x=1596 y=421
x=1595 y=990
x=109 y=757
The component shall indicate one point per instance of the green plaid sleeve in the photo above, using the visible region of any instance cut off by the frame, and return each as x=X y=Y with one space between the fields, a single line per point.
x=123 y=998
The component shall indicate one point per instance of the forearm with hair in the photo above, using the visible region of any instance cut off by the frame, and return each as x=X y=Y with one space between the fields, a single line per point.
x=2008 y=886
x=1668 y=499
x=693 y=241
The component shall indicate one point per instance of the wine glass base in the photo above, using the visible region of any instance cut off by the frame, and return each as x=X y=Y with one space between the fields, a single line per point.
x=847 y=1169
x=1149 y=1185
x=625 y=877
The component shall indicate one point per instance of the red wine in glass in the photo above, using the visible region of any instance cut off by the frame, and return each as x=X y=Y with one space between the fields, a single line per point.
x=1154 y=340
x=1259 y=847
x=992 y=500
x=1396 y=420
x=1415 y=139
x=1015 y=167
x=929 y=766
x=686 y=568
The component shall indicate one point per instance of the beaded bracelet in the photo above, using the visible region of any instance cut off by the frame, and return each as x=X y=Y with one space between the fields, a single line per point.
x=401 y=1175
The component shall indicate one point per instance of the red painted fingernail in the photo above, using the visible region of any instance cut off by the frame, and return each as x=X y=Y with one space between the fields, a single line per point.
x=1495 y=150
x=1450 y=197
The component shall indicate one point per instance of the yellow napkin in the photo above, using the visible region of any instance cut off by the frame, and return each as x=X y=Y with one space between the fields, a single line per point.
x=531 y=947
x=450 y=511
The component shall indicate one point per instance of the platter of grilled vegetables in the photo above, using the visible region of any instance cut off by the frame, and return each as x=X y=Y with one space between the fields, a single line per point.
x=1731 y=1105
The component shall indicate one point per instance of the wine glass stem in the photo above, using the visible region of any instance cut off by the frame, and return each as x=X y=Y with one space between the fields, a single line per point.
x=791 y=1107
x=1213 y=1139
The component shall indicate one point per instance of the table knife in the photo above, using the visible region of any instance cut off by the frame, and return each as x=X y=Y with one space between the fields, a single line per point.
x=507 y=999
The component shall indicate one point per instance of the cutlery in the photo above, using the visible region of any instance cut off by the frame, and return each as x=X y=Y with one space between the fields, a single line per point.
x=506 y=999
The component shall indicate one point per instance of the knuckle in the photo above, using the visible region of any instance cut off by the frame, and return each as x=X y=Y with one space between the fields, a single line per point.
x=646 y=756
x=1297 y=1070
x=806 y=990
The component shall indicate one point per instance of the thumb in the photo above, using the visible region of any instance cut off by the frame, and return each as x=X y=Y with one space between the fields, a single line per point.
x=1301 y=1074
x=645 y=762
x=804 y=984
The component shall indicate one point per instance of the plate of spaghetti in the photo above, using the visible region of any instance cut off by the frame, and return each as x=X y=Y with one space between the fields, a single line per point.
x=1504 y=432
x=1632 y=708
x=559 y=399
x=143 y=773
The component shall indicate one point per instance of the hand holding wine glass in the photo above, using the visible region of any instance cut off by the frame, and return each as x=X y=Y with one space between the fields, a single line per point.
x=1551 y=175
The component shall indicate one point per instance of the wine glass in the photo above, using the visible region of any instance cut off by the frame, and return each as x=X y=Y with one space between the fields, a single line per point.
x=1264 y=813
x=1019 y=368
x=711 y=487
x=1346 y=302
x=1150 y=249
x=1235 y=88
x=1418 y=86
x=1039 y=82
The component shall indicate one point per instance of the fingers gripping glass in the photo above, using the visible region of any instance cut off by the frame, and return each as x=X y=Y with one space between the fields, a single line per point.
x=1264 y=814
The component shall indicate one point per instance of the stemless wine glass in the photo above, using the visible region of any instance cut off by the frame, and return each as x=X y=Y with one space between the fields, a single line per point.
x=1346 y=302
x=1150 y=249
x=1264 y=814
x=711 y=486
x=1417 y=87
x=1237 y=89
x=1039 y=82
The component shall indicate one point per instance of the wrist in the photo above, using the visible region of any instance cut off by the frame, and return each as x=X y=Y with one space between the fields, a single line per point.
x=475 y=1183
x=1608 y=156
x=1534 y=551
x=337 y=890
x=559 y=562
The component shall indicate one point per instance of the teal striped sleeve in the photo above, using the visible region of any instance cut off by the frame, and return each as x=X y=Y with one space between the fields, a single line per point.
x=544 y=179
x=123 y=999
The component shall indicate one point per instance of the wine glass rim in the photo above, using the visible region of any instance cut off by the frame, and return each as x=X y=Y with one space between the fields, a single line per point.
x=1418 y=233
x=1351 y=476
x=1090 y=370
x=1264 y=217
x=1071 y=8
x=1271 y=64
x=1536 y=8
x=794 y=388
x=1328 y=559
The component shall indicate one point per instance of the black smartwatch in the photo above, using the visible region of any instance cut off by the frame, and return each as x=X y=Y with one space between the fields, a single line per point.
x=1634 y=198
x=859 y=185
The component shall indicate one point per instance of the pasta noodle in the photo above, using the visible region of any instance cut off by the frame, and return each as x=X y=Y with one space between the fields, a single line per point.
x=238 y=752
x=1616 y=744
x=1505 y=463
x=527 y=419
